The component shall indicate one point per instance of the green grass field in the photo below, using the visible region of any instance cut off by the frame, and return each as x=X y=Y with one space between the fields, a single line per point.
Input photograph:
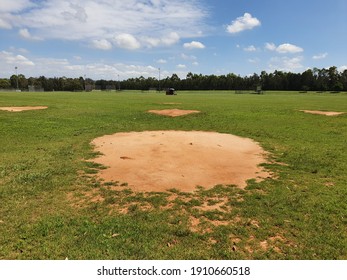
x=53 y=208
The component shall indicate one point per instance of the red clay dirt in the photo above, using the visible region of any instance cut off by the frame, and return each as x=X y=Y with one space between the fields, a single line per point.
x=161 y=160
x=20 y=109
x=173 y=112
x=325 y=113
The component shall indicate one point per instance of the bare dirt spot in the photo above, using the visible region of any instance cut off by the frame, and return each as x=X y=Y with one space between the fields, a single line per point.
x=162 y=160
x=20 y=109
x=325 y=113
x=173 y=112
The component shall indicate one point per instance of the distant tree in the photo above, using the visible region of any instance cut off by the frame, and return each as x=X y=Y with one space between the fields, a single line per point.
x=323 y=79
x=5 y=83
x=22 y=81
x=315 y=79
x=343 y=79
x=307 y=80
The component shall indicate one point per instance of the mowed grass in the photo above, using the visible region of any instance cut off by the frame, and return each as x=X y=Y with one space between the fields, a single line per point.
x=53 y=207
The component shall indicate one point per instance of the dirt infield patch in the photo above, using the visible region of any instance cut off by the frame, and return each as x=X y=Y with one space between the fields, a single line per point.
x=20 y=109
x=325 y=113
x=162 y=160
x=173 y=112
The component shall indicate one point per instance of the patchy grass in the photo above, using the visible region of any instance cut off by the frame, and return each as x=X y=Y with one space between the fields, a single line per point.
x=53 y=207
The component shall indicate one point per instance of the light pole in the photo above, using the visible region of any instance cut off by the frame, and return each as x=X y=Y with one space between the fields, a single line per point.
x=159 y=80
x=118 y=83
x=16 y=68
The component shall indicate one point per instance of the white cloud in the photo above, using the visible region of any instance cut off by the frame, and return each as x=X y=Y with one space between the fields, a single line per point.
x=250 y=49
x=153 y=23
x=7 y=6
x=79 y=68
x=246 y=22
x=102 y=44
x=14 y=60
x=342 y=68
x=320 y=56
x=59 y=67
x=181 y=66
x=188 y=57
x=170 y=39
x=293 y=64
x=24 y=33
x=270 y=46
x=289 y=48
x=284 y=48
x=161 y=61
x=195 y=63
x=167 y=40
x=194 y=45
x=253 y=60
x=4 y=24
x=127 y=41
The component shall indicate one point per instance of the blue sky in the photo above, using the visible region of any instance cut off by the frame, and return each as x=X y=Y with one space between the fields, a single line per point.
x=116 y=38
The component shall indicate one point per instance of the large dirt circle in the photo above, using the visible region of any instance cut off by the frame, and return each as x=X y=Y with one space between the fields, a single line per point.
x=161 y=160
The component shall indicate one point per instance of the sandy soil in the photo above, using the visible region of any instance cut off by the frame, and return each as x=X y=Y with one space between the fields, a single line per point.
x=330 y=114
x=20 y=109
x=160 y=160
x=173 y=112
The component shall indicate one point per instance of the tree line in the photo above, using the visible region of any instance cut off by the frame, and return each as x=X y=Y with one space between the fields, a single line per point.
x=310 y=80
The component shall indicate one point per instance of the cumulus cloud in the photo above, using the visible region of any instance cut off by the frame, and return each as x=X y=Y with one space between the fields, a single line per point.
x=153 y=23
x=284 y=48
x=270 y=46
x=293 y=64
x=24 y=33
x=181 y=66
x=194 y=45
x=188 y=57
x=161 y=61
x=246 y=22
x=4 y=24
x=250 y=49
x=127 y=41
x=320 y=56
x=15 y=60
x=253 y=60
x=166 y=40
x=8 y=10
x=58 y=67
x=102 y=44
x=289 y=48
x=8 y=6
x=170 y=39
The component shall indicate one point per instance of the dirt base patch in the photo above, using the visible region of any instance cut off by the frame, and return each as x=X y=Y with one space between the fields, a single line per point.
x=173 y=112
x=20 y=109
x=325 y=113
x=162 y=160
